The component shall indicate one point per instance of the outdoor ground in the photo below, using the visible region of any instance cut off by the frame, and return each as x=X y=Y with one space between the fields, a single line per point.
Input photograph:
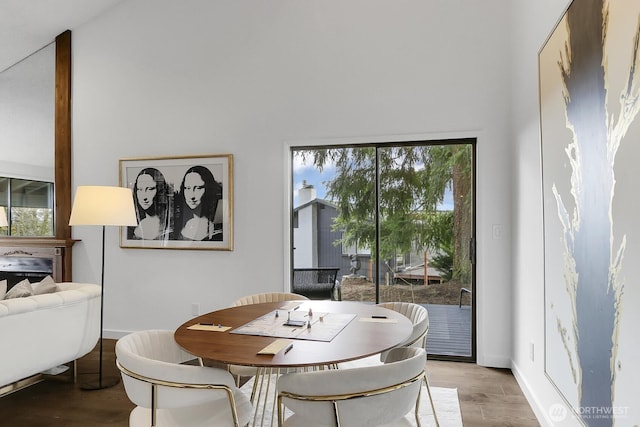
x=359 y=289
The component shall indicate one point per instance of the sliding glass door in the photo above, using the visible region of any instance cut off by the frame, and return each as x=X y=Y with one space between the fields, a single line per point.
x=396 y=221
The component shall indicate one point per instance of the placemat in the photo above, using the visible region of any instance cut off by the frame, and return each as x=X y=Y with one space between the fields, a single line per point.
x=275 y=346
x=324 y=326
x=205 y=327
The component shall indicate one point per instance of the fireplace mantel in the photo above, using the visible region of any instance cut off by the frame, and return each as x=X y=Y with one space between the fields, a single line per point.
x=57 y=249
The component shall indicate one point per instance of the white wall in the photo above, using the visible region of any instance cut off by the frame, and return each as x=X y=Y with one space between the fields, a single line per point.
x=305 y=238
x=160 y=77
x=305 y=235
x=27 y=100
x=532 y=23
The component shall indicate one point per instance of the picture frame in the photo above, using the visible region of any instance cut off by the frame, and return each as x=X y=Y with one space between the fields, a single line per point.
x=589 y=70
x=181 y=202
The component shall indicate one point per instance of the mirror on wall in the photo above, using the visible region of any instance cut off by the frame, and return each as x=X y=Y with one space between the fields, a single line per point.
x=35 y=142
x=27 y=136
x=27 y=116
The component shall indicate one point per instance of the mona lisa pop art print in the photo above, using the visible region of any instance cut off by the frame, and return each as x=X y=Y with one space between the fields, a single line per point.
x=180 y=202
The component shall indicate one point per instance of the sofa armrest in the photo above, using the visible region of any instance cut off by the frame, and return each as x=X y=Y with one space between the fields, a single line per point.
x=63 y=325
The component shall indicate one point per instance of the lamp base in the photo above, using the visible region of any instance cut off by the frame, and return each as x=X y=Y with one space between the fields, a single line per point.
x=100 y=384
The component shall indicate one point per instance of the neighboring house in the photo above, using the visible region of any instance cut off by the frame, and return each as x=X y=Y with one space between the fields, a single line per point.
x=415 y=274
x=314 y=244
x=313 y=239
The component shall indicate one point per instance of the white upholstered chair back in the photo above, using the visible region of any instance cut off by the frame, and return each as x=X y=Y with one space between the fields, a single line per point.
x=418 y=315
x=186 y=395
x=248 y=371
x=268 y=297
x=367 y=396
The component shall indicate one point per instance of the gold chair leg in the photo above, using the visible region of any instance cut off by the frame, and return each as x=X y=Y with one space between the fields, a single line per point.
x=433 y=407
x=417 y=409
x=258 y=376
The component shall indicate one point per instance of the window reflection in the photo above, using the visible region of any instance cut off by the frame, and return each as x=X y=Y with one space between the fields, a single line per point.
x=29 y=205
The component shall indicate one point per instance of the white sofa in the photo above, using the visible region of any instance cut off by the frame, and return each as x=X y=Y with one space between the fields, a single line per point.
x=40 y=332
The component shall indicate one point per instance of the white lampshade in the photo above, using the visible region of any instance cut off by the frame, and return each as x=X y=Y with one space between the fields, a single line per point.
x=96 y=205
x=3 y=217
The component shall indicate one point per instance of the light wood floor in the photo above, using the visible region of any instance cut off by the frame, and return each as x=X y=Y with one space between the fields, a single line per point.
x=488 y=397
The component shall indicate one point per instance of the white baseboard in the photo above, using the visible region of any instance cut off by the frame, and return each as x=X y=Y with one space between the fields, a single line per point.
x=538 y=408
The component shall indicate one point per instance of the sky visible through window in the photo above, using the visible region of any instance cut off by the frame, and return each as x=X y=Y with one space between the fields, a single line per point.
x=307 y=172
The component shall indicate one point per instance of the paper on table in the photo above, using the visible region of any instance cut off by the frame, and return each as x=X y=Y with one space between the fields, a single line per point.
x=215 y=328
x=377 y=320
x=275 y=346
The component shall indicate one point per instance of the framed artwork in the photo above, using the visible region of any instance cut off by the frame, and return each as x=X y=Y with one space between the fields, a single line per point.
x=589 y=72
x=181 y=202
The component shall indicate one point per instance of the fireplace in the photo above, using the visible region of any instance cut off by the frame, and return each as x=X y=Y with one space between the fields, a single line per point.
x=31 y=262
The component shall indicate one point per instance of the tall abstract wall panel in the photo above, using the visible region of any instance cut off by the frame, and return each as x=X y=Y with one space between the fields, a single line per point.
x=590 y=132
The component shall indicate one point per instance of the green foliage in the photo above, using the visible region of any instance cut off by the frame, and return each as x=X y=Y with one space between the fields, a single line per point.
x=31 y=222
x=443 y=261
x=412 y=184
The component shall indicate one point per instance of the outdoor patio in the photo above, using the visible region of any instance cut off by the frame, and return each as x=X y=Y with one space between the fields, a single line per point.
x=449 y=330
x=450 y=324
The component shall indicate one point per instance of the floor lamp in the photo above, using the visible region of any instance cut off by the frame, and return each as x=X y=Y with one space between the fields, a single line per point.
x=103 y=206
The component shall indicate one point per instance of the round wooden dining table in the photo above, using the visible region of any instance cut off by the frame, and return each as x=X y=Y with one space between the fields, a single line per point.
x=372 y=330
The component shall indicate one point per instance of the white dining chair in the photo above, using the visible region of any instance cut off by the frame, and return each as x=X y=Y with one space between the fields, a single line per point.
x=268 y=297
x=379 y=395
x=249 y=371
x=169 y=392
x=419 y=316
